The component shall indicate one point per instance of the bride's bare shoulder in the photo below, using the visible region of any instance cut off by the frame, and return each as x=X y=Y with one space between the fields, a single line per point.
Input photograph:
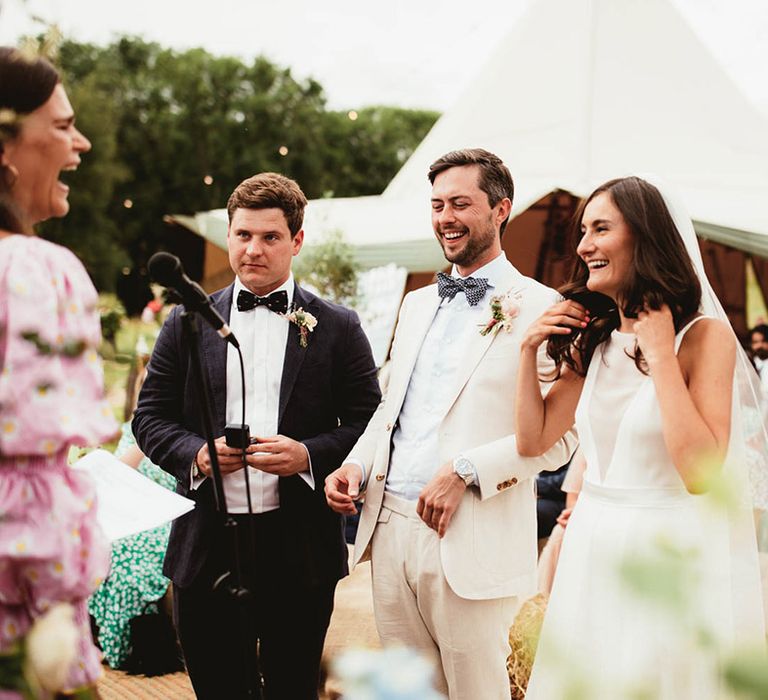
x=708 y=342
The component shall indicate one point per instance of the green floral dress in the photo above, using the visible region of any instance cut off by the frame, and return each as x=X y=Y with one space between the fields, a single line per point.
x=135 y=582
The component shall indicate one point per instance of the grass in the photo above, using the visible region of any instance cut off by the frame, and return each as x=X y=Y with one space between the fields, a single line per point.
x=118 y=361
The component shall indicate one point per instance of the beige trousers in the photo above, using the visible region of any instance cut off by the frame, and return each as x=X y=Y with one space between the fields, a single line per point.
x=467 y=640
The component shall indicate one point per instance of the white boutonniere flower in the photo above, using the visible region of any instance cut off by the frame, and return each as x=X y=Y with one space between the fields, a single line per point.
x=504 y=309
x=305 y=321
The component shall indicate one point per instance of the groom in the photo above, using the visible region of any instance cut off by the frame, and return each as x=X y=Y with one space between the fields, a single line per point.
x=310 y=389
x=449 y=518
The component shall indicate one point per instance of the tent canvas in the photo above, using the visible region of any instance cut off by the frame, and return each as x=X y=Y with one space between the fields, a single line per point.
x=579 y=92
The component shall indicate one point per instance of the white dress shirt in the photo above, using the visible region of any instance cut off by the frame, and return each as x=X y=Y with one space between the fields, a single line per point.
x=413 y=460
x=262 y=335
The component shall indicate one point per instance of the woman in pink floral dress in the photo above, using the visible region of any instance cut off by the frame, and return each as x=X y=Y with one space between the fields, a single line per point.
x=51 y=384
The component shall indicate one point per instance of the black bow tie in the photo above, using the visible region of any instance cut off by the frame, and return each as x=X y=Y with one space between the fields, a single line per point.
x=277 y=301
x=474 y=287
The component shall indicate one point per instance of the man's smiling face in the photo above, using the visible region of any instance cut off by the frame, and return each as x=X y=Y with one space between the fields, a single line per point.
x=465 y=224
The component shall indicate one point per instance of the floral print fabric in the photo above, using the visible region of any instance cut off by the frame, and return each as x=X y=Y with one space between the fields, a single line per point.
x=51 y=397
x=135 y=580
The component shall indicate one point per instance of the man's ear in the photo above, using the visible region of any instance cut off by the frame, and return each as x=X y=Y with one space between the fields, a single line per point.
x=298 y=241
x=505 y=207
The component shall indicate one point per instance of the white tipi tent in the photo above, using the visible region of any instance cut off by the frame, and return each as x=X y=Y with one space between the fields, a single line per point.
x=585 y=90
x=580 y=91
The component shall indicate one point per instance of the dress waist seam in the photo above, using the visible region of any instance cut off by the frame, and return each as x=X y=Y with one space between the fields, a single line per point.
x=640 y=497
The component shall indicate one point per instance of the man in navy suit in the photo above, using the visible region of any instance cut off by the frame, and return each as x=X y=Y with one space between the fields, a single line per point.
x=310 y=389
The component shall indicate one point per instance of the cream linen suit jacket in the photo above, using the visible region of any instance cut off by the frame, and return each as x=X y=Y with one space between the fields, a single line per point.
x=489 y=550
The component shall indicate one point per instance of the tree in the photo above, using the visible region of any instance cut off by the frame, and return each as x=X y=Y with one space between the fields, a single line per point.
x=364 y=154
x=330 y=268
x=175 y=132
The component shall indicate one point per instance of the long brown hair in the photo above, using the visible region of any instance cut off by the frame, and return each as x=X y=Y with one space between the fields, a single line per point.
x=661 y=273
x=25 y=85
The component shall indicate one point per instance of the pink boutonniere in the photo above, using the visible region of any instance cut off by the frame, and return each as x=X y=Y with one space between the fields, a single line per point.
x=305 y=321
x=504 y=309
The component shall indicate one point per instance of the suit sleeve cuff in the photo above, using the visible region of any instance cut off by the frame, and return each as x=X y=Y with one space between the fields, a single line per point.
x=308 y=475
x=196 y=477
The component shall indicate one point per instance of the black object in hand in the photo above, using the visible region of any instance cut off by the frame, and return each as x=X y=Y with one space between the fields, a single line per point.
x=237 y=435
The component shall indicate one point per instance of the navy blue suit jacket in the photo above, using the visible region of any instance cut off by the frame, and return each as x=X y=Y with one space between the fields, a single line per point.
x=328 y=392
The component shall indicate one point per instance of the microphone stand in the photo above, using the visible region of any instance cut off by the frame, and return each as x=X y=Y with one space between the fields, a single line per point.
x=230 y=581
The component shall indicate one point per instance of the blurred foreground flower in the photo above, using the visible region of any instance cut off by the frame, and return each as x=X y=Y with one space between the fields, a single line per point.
x=37 y=665
x=51 y=646
x=397 y=673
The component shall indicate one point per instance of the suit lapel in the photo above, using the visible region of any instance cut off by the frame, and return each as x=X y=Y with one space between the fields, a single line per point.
x=215 y=351
x=294 y=352
x=415 y=330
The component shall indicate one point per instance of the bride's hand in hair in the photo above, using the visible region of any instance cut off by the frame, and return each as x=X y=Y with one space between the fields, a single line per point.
x=655 y=331
x=560 y=319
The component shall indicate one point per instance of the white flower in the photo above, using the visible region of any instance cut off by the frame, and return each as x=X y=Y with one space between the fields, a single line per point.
x=510 y=306
x=305 y=322
x=504 y=309
x=52 y=647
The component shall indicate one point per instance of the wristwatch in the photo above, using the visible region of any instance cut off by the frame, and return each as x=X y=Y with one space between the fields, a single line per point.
x=465 y=469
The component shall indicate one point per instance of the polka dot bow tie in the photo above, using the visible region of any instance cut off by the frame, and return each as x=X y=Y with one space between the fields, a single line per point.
x=277 y=301
x=474 y=287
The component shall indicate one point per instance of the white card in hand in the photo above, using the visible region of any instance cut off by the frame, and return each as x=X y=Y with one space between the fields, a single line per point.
x=127 y=501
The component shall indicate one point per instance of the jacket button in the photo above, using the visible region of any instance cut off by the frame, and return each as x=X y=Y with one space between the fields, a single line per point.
x=513 y=481
x=379 y=477
x=389 y=427
x=499 y=487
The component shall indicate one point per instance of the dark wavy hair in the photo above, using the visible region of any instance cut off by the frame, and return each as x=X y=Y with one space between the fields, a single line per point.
x=25 y=85
x=661 y=273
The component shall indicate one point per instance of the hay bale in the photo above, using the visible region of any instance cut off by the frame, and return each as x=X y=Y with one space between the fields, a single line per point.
x=523 y=638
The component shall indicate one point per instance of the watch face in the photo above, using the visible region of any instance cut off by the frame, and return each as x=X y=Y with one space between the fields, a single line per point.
x=464 y=469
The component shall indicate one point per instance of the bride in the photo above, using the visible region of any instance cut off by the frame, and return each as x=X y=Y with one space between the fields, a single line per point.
x=655 y=582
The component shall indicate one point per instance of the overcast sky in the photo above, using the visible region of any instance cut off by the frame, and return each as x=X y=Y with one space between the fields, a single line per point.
x=411 y=53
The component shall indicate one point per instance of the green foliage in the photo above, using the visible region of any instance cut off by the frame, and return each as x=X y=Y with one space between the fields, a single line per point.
x=330 y=268
x=112 y=314
x=662 y=576
x=12 y=675
x=71 y=347
x=748 y=674
x=161 y=121
x=365 y=154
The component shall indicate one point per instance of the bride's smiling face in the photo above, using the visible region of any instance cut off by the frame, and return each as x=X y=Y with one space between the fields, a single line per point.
x=606 y=246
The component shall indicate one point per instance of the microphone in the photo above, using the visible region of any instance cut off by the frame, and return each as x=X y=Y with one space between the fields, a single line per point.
x=166 y=269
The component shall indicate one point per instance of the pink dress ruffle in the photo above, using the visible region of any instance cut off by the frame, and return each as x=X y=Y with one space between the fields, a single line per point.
x=51 y=397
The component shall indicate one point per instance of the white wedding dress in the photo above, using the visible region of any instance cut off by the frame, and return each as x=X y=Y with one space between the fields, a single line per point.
x=648 y=591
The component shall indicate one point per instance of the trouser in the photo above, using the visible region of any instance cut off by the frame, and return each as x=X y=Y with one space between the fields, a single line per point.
x=467 y=640
x=275 y=636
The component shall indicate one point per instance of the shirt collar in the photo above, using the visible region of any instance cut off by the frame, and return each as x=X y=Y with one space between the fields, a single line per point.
x=494 y=271
x=288 y=286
